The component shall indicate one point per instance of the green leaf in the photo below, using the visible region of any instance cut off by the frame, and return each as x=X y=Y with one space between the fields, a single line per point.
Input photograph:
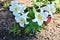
x=15 y=29
x=34 y=10
x=6 y=4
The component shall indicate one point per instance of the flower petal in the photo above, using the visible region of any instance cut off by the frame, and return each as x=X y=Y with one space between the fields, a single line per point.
x=16 y=14
x=26 y=22
x=34 y=20
x=44 y=8
x=21 y=25
x=40 y=23
x=51 y=6
x=25 y=15
x=50 y=14
x=17 y=19
x=45 y=19
x=41 y=9
x=20 y=7
x=36 y=14
x=11 y=8
x=44 y=16
x=14 y=3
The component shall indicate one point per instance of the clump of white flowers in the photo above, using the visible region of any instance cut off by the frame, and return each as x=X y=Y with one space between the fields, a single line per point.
x=40 y=17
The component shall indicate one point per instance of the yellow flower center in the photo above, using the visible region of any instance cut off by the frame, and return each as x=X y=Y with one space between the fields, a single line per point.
x=21 y=21
x=51 y=10
x=15 y=9
x=40 y=17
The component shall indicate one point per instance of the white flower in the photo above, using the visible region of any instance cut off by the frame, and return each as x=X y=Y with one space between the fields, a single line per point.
x=52 y=8
x=39 y=18
x=22 y=19
x=16 y=8
x=47 y=10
